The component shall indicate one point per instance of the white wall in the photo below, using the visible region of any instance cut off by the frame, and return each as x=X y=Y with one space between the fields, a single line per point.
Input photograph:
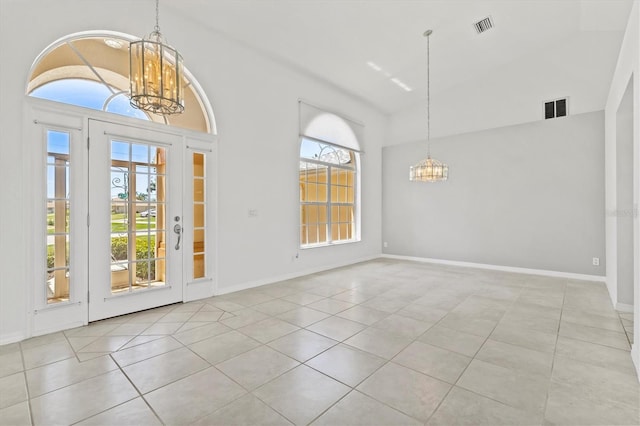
x=255 y=103
x=627 y=68
x=526 y=196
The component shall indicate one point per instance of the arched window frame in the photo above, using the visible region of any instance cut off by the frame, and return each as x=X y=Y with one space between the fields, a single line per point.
x=329 y=179
x=114 y=74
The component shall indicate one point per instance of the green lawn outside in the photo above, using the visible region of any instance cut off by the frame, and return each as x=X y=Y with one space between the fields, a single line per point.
x=145 y=244
x=118 y=223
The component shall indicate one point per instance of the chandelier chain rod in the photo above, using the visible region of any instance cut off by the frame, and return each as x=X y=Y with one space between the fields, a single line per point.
x=157 y=27
x=428 y=98
x=428 y=170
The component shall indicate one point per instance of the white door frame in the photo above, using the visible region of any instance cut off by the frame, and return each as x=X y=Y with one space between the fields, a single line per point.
x=103 y=303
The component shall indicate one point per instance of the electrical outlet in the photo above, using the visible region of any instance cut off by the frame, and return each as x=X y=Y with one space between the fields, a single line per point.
x=596 y=261
x=253 y=213
x=385 y=244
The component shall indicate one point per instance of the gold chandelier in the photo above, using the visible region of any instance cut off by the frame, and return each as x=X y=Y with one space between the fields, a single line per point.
x=429 y=169
x=156 y=74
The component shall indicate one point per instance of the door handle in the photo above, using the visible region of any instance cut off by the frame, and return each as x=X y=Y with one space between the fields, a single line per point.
x=178 y=230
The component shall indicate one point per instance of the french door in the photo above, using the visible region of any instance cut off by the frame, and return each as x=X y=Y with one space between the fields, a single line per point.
x=122 y=216
x=135 y=219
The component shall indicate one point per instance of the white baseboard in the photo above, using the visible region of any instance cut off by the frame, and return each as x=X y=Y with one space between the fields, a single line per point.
x=58 y=327
x=8 y=338
x=297 y=274
x=515 y=269
x=623 y=307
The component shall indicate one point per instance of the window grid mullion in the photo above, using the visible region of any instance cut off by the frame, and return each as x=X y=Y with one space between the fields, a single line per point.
x=337 y=194
x=329 y=205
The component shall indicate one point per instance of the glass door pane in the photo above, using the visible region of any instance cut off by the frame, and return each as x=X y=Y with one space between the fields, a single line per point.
x=138 y=218
x=57 y=216
x=199 y=214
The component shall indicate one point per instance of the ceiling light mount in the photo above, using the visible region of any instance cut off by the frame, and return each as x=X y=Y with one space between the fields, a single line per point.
x=429 y=169
x=156 y=74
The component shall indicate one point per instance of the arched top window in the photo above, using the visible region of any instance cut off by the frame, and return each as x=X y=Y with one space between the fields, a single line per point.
x=88 y=94
x=329 y=179
x=91 y=70
x=326 y=153
x=330 y=128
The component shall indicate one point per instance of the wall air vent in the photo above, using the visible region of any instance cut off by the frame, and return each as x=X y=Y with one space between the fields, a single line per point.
x=556 y=108
x=483 y=25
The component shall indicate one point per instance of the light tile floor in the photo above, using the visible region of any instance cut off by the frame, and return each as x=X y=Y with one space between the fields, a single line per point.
x=383 y=342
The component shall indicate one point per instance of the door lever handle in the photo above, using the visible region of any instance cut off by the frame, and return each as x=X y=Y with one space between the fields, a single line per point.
x=178 y=230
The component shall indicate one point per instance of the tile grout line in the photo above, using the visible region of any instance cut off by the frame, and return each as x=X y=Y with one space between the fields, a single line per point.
x=367 y=326
x=624 y=329
x=472 y=358
x=318 y=354
x=26 y=385
x=388 y=361
x=124 y=402
x=354 y=389
x=141 y=395
x=270 y=407
x=121 y=369
x=553 y=359
x=250 y=391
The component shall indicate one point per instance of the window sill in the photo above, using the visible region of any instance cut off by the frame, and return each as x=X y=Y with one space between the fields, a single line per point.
x=331 y=244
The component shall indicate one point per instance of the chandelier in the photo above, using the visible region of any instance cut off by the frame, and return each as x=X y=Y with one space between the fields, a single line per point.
x=429 y=169
x=156 y=74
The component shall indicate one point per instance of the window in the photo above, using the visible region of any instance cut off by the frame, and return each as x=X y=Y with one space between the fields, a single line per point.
x=138 y=175
x=327 y=193
x=88 y=94
x=92 y=70
x=329 y=177
x=199 y=215
x=57 y=216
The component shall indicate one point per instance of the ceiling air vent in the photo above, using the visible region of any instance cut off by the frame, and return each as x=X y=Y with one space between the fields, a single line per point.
x=556 y=108
x=483 y=25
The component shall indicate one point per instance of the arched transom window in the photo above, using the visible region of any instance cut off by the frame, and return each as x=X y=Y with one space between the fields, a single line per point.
x=92 y=70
